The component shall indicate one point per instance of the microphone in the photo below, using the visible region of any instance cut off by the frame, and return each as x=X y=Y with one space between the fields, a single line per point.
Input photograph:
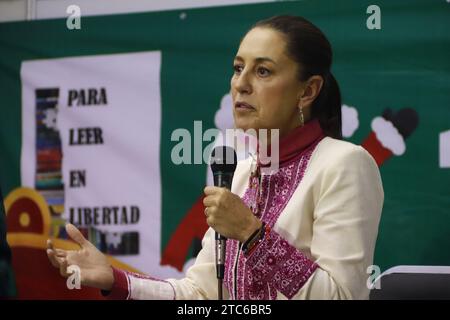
x=223 y=165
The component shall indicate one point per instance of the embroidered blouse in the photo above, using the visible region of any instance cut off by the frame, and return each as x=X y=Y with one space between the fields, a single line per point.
x=322 y=208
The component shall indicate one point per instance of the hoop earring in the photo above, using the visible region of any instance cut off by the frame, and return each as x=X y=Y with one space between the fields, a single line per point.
x=302 y=120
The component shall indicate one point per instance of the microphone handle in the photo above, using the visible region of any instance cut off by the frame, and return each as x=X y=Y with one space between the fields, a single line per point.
x=220 y=255
x=222 y=180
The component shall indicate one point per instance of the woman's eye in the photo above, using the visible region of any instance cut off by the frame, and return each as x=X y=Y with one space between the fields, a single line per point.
x=263 y=72
x=237 y=68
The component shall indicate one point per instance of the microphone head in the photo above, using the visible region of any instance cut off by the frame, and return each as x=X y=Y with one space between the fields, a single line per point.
x=223 y=160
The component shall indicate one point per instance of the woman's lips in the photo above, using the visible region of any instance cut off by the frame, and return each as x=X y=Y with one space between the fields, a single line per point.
x=243 y=106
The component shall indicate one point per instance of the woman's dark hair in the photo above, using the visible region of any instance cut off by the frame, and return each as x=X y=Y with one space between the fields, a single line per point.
x=309 y=47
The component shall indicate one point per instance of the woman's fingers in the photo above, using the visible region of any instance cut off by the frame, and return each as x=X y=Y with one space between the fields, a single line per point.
x=51 y=254
x=52 y=258
x=215 y=194
x=55 y=261
x=210 y=190
x=49 y=244
x=209 y=201
x=55 y=255
x=76 y=235
x=58 y=258
x=60 y=253
x=63 y=268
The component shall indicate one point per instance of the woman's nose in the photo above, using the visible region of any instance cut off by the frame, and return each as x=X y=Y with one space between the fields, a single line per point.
x=243 y=84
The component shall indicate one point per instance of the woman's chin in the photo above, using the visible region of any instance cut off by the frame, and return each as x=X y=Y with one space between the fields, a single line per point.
x=244 y=123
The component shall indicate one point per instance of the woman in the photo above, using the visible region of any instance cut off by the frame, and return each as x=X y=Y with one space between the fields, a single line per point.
x=306 y=231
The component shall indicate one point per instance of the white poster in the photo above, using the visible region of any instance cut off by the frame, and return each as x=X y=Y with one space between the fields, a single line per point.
x=90 y=145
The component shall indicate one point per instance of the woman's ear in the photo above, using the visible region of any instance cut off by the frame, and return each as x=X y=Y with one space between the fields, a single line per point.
x=311 y=91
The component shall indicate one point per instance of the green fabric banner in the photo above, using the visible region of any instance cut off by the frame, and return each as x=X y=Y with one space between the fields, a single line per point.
x=399 y=73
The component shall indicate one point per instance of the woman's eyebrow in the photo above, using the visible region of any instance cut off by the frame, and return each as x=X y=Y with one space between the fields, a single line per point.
x=259 y=59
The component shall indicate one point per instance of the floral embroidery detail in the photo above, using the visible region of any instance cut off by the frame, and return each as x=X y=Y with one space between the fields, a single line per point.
x=276 y=260
x=275 y=265
x=230 y=258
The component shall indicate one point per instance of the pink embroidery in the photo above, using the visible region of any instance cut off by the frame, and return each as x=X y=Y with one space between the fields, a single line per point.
x=230 y=258
x=275 y=264
x=277 y=261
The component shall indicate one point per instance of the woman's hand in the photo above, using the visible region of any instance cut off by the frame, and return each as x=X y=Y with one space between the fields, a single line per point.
x=95 y=270
x=227 y=214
